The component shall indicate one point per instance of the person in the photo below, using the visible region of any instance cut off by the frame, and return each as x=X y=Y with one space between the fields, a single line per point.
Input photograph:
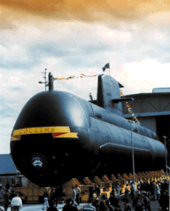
x=89 y=206
x=96 y=203
x=58 y=193
x=157 y=192
x=113 y=200
x=143 y=208
x=52 y=206
x=118 y=208
x=164 y=200
x=52 y=196
x=102 y=206
x=137 y=202
x=132 y=190
x=147 y=202
x=126 y=204
x=46 y=196
x=7 y=185
x=16 y=203
x=2 y=208
x=118 y=190
x=78 y=191
x=91 y=191
x=6 y=199
x=153 y=186
x=109 y=206
x=139 y=186
x=95 y=197
x=69 y=205
x=1 y=195
x=10 y=189
x=98 y=192
x=73 y=195
x=126 y=190
x=12 y=195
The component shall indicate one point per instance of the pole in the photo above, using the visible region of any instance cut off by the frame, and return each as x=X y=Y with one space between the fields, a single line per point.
x=133 y=159
x=166 y=163
x=45 y=78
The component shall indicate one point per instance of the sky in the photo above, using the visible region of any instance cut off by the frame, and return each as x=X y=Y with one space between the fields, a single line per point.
x=75 y=37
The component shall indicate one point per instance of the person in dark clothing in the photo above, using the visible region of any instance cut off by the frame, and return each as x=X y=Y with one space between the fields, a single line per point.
x=12 y=195
x=118 y=208
x=78 y=191
x=46 y=197
x=113 y=200
x=52 y=206
x=143 y=208
x=146 y=201
x=6 y=199
x=137 y=202
x=91 y=191
x=96 y=204
x=102 y=206
x=98 y=192
x=132 y=187
x=109 y=206
x=69 y=205
x=126 y=190
x=52 y=196
x=126 y=205
x=164 y=200
x=7 y=185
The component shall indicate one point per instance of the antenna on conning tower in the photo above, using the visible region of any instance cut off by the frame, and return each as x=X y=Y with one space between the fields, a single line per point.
x=41 y=82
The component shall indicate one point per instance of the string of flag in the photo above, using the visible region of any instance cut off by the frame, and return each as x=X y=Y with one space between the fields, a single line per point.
x=73 y=77
x=132 y=114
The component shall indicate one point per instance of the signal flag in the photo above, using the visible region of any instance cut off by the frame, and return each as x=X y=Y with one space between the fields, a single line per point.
x=106 y=66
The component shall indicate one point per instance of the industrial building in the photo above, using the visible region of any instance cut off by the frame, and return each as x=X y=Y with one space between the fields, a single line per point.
x=9 y=173
x=152 y=111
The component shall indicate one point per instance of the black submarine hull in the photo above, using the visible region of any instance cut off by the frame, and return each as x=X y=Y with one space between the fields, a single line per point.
x=58 y=136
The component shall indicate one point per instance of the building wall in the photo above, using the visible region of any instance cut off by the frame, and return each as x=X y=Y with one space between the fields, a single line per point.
x=13 y=180
x=145 y=103
x=148 y=122
x=4 y=179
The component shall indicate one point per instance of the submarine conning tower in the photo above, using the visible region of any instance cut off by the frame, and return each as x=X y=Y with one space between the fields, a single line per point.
x=108 y=90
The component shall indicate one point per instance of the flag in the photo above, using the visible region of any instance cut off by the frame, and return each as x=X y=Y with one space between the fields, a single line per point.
x=106 y=66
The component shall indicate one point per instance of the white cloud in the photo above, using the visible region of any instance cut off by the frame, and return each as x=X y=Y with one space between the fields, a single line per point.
x=145 y=75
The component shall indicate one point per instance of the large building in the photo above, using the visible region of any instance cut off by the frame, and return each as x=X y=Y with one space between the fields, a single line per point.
x=9 y=173
x=152 y=111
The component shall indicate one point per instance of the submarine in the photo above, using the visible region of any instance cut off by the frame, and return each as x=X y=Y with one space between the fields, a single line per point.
x=58 y=136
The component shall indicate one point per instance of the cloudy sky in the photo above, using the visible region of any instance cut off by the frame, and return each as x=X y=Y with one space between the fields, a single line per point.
x=73 y=37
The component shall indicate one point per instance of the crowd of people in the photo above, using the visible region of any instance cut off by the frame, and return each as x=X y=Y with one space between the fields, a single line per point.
x=133 y=199
x=8 y=197
x=137 y=200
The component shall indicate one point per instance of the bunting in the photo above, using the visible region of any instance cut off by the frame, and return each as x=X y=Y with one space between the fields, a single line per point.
x=132 y=114
x=73 y=77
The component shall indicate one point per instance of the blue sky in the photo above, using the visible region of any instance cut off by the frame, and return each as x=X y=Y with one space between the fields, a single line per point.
x=133 y=37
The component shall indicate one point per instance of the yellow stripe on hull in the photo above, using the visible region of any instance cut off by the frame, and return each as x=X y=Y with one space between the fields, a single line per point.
x=44 y=130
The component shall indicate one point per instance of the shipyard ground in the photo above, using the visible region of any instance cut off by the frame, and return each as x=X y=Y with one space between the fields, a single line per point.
x=38 y=207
